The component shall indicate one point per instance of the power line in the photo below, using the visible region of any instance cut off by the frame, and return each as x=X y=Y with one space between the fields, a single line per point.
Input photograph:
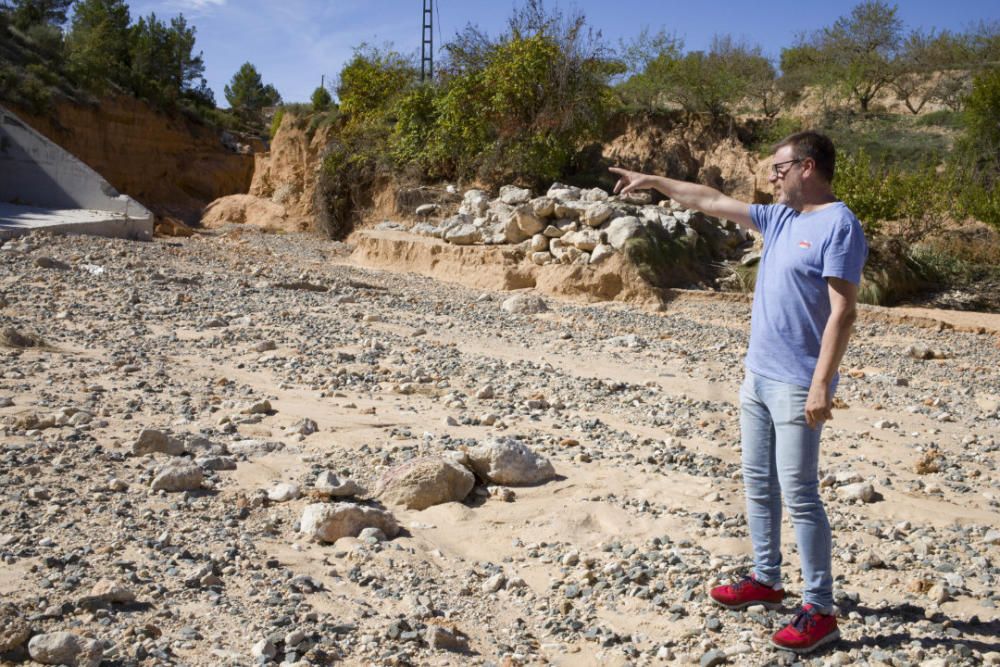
x=427 y=42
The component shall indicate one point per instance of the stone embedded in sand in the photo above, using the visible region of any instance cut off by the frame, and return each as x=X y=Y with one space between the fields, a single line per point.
x=329 y=523
x=425 y=482
x=539 y=243
x=283 y=492
x=601 y=253
x=863 y=491
x=524 y=304
x=510 y=462
x=176 y=477
x=622 y=229
x=304 y=426
x=14 y=630
x=327 y=484
x=513 y=195
x=445 y=639
x=541 y=258
x=110 y=591
x=258 y=408
x=153 y=441
x=65 y=648
x=50 y=263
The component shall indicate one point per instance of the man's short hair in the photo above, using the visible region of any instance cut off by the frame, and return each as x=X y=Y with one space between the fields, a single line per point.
x=810 y=144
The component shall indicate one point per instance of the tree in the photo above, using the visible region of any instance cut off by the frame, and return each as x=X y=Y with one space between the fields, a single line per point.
x=248 y=95
x=372 y=80
x=860 y=49
x=321 y=99
x=164 y=68
x=28 y=13
x=98 y=42
x=934 y=66
x=982 y=119
x=715 y=81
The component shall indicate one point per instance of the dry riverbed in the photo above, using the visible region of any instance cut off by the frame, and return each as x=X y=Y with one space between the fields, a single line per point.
x=267 y=369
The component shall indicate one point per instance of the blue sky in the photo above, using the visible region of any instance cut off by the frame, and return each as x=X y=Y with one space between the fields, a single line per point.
x=294 y=42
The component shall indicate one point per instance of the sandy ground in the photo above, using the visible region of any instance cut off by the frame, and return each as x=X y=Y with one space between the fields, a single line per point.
x=641 y=426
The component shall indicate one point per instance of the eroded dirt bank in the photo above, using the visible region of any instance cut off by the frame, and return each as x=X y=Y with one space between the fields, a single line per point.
x=607 y=563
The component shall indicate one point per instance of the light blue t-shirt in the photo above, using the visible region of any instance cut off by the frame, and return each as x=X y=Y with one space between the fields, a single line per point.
x=791 y=303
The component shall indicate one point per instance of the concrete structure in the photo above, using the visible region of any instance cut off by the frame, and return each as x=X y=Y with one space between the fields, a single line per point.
x=43 y=186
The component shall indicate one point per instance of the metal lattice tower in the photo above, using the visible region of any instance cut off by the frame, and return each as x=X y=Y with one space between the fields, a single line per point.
x=427 y=48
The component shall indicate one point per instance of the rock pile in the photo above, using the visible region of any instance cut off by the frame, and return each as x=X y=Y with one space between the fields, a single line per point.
x=570 y=225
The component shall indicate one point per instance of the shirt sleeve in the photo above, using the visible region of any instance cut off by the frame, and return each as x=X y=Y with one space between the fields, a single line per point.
x=761 y=215
x=846 y=253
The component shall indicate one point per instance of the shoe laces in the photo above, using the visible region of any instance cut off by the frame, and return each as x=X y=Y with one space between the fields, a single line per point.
x=744 y=582
x=804 y=620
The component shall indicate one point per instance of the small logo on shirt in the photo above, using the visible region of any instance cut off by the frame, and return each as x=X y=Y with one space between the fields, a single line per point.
x=805 y=245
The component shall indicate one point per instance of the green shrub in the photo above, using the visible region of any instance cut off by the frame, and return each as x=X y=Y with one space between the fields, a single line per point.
x=279 y=115
x=321 y=99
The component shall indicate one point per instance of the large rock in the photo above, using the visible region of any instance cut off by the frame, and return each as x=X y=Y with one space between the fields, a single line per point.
x=585 y=239
x=622 y=229
x=152 y=441
x=596 y=214
x=601 y=253
x=524 y=304
x=529 y=223
x=512 y=231
x=65 y=648
x=464 y=235
x=513 y=195
x=329 y=523
x=543 y=207
x=425 y=482
x=178 y=477
x=510 y=462
x=475 y=203
x=572 y=210
x=863 y=491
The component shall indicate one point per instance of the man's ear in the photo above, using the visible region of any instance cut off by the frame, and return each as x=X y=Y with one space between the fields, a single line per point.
x=808 y=165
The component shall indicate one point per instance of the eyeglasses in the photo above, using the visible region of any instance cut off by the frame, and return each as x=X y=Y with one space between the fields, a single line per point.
x=780 y=173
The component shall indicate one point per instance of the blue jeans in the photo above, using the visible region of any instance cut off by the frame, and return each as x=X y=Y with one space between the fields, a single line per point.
x=781 y=458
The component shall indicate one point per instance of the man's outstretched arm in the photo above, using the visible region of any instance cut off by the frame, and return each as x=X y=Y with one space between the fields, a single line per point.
x=690 y=195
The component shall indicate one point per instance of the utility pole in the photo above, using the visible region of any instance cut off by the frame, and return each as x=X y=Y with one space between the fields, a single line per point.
x=427 y=46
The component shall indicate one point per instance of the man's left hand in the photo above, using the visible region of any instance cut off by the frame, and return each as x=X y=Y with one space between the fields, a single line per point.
x=819 y=405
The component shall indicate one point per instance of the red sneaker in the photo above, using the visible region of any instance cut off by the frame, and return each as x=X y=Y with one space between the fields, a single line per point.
x=808 y=631
x=746 y=592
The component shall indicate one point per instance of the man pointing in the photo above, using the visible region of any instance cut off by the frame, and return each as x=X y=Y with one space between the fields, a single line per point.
x=803 y=309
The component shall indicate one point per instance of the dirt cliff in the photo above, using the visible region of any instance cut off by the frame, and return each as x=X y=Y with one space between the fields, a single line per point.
x=172 y=165
x=687 y=147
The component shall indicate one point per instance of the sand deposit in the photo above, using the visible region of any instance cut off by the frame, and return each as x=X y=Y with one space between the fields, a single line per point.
x=217 y=456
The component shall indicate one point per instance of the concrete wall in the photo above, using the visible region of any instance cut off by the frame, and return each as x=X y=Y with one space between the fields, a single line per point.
x=36 y=172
